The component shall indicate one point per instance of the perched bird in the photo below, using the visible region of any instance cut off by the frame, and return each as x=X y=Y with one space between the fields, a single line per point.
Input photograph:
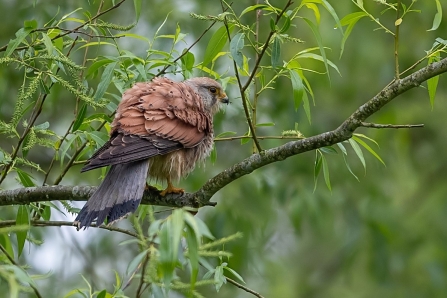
x=161 y=129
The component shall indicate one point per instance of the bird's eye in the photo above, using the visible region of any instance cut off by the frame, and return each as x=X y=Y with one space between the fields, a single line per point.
x=213 y=90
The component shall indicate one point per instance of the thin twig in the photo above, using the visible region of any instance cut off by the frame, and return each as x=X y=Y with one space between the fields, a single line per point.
x=75 y=32
x=161 y=72
x=253 y=73
x=140 y=289
x=240 y=286
x=243 y=97
x=264 y=48
x=396 y=42
x=73 y=158
x=34 y=115
x=259 y=138
x=68 y=130
x=74 y=29
x=374 y=125
x=256 y=93
x=81 y=74
x=11 y=259
x=49 y=223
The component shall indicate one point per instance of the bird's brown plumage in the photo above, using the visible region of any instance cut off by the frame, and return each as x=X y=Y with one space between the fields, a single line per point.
x=162 y=125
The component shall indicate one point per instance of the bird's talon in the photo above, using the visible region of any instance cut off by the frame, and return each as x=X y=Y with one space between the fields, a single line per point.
x=171 y=189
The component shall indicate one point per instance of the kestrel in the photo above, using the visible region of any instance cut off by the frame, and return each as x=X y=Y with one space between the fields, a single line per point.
x=161 y=129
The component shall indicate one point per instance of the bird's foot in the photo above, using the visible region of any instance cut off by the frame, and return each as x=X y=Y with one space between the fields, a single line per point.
x=171 y=189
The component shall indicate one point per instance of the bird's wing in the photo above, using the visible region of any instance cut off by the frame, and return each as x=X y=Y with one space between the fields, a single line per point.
x=153 y=118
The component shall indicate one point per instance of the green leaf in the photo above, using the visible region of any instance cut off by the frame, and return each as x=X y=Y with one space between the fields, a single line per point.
x=316 y=11
x=136 y=262
x=46 y=214
x=102 y=294
x=106 y=78
x=97 y=43
x=43 y=87
x=265 y=124
x=203 y=229
x=236 y=46
x=226 y=134
x=216 y=44
x=213 y=155
x=48 y=43
x=306 y=106
x=286 y=24
x=98 y=136
x=317 y=35
x=25 y=178
x=327 y=179
x=65 y=147
x=367 y=147
x=21 y=34
x=170 y=236
x=256 y=7
x=298 y=88
x=438 y=16
x=247 y=139
x=188 y=61
x=272 y=25
x=59 y=42
x=5 y=241
x=358 y=151
x=193 y=251
x=219 y=277
x=21 y=219
x=79 y=117
x=154 y=227
x=328 y=150
x=237 y=275
x=20 y=274
x=317 y=167
x=350 y=20
x=343 y=149
x=43 y=126
x=140 y=68
x=137 y=6
x=334 y=15
x=276 y=52
x=319 y=58
x=367 y=138
x=95 y=66
x=432 y=83
x=32 y=24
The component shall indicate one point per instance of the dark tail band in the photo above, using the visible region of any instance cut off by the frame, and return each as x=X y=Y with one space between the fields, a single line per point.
x=119 y=193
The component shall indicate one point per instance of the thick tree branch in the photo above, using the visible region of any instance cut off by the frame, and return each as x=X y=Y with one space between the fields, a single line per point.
x=28 y=195
x=202 y=196
x=47 y=223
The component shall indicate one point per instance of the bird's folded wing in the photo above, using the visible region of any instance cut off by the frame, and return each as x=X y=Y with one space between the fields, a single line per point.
x=154 y=118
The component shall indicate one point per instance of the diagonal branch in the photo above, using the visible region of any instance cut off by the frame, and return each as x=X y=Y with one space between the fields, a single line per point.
x=203 y=196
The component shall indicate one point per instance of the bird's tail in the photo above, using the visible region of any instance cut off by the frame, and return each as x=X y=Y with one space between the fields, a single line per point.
x=119 y=193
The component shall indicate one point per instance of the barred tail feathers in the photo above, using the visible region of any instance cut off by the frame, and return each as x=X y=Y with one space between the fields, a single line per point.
x=119 y=193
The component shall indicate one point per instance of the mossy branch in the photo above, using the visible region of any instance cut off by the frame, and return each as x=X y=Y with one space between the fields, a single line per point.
x=203 y=196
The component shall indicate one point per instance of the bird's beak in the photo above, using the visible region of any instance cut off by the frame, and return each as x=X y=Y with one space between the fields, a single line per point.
x=224 y=98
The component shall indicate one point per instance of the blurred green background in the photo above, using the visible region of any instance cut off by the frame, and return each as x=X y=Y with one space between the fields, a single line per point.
x=382 y=236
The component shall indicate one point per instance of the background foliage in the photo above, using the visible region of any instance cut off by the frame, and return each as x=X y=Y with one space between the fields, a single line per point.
x=376 y=231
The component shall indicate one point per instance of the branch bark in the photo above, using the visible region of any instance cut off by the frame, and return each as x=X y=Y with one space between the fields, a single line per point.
x=203 y=196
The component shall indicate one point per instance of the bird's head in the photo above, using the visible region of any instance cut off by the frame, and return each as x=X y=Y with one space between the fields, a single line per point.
x=210 y=91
